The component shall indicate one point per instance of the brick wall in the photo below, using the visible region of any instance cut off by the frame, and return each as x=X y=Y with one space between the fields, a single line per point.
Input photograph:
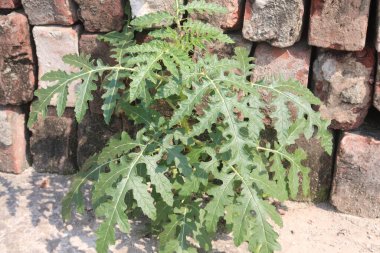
x=329 y=46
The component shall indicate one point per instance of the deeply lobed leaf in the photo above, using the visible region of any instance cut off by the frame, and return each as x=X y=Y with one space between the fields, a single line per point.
x=201 y=6
x=200 y=156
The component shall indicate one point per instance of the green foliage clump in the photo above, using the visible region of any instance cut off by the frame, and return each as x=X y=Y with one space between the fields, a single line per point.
x=207 y=162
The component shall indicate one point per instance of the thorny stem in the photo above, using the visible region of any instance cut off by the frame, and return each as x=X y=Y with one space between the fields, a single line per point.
x=171 y=104
x=178 y=19
x=273 y=151
x=186 y=125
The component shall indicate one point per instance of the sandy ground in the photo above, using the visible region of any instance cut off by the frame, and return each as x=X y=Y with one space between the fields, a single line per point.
x=30 y=222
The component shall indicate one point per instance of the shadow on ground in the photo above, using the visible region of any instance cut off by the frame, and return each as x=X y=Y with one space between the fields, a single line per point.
x=30 y=222
x=30 y=219
x=10 y=194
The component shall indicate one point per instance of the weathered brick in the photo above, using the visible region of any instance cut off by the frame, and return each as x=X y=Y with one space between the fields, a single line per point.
x=340 y=25
x=292 y=62
x=319 y=162
x=224 y=50
x=52 y=43
x=12 y=140
x=17 y=78
x=278 y=22
x=142 y=37
x=232 y=20
x=93 y=135
x=89 y=45
x=53 y=143
x=101 y=15
x=95 y=106
x=10 y=4
x=343 y=81
x=50 y=12
x=376 y=99
x=143 y=7
x=321 y=170
x=356 y=185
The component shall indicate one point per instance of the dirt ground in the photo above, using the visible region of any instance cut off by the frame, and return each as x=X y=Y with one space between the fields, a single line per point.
x=30 y=222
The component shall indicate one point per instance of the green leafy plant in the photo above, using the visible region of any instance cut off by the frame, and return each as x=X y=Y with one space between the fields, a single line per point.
x=205 y=163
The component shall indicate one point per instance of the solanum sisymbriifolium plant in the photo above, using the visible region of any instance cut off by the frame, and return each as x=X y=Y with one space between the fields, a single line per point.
x=203 y=164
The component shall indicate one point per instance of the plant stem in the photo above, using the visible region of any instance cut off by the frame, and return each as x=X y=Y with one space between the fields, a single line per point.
x=178 y=19
x=171 y=104
x=186 y=125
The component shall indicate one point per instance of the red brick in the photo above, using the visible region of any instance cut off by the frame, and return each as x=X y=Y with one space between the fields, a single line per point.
x=50 y=12
x=292 y=62
x=340 y=25
x=12 y=140
x=319 y=162
x=278 y=22
x=93 y=135
x=101 y=15
x=143 y=7
x=224 y=50
x=356 y=187
x=53 y=143
x=321 y=170
x=232 y=20
x=142 y=37
x=16 y=60
x=89 y=45
x=10 y=4
x=343 y=81
x=50 y=55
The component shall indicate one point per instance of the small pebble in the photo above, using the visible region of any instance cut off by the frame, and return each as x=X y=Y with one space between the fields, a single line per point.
x=45 y=183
